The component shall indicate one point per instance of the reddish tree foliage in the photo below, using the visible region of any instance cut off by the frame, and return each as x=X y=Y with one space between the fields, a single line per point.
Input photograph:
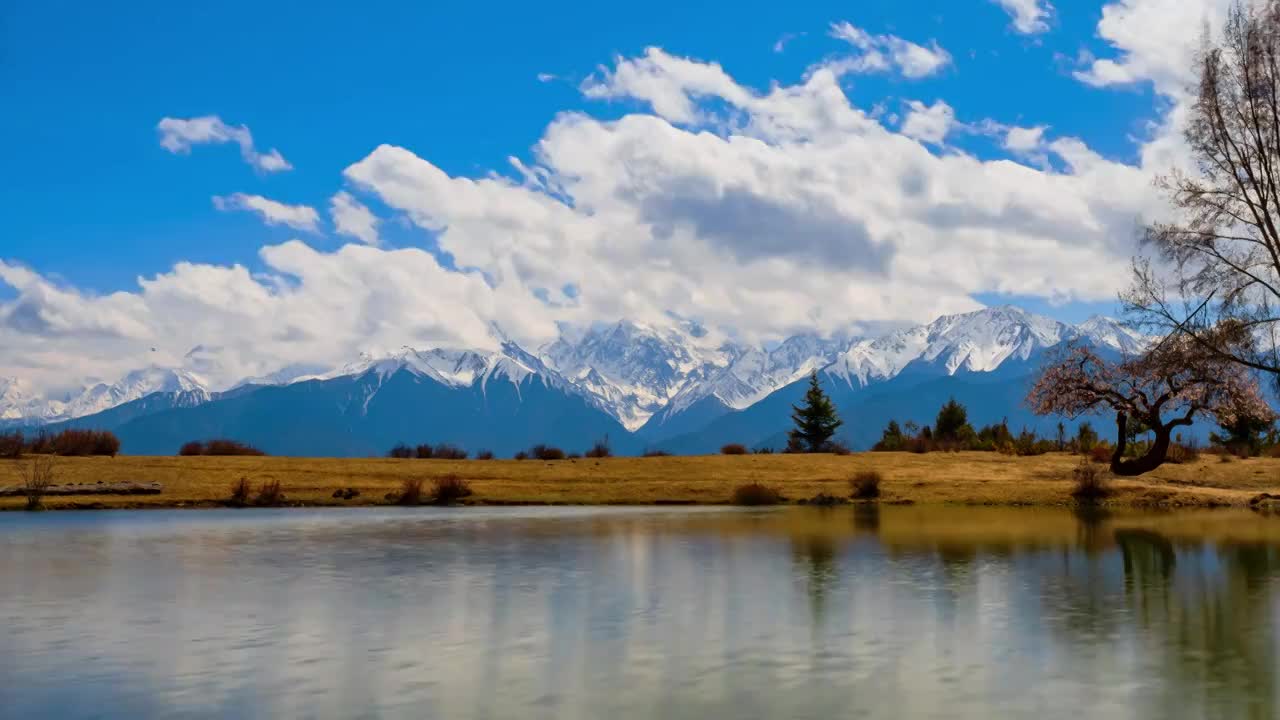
x=1163 y=389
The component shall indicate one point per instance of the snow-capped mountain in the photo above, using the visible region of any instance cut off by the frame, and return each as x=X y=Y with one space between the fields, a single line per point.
x=979 y=341
x=756 y=373
x=638 y=373
x=19 y=402
x=636 y=370
x=136 y=385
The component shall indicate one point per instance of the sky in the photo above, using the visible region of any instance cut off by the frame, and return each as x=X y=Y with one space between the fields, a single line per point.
x=237 y=187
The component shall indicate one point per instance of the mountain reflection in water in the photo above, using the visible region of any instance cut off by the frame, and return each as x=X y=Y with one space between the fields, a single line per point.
x=865 y=611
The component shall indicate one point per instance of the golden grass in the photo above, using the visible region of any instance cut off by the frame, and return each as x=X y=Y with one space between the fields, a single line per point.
x=934 y=478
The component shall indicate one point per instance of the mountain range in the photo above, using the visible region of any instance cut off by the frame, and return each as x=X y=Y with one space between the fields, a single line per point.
x=671 y=388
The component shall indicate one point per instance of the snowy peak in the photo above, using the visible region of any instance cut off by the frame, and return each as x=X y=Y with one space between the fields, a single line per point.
x=754 y=374
x=1109 y=332
x=134 y=386
x=635 y=370
x=979 y=341
x=19 y=402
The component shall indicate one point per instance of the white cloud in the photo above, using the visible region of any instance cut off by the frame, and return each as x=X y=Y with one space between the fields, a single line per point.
x=885 y=53
x=298 y=217
x=1155 y=41
x=1024 y=139
x=929 y=123
x=756 y=212
x=780 y=45
x=351 y=217
x=1030 y=17
x=178 y=135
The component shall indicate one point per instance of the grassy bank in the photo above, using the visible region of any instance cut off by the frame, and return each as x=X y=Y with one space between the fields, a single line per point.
x=935 y=478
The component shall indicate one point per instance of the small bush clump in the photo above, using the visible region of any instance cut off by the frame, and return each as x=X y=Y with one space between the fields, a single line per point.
x=447 y=451
x=600 y=449
x=734 y=449
x=401 y=452
x=1100 y=454
x=656 y=453
x=220 y=447
x=38 y=475
x=546 y=452
x=1090 y=482
x=410 y=491
x=522 y=455
x=270 y=494
x=763 y=451
x=865 y=485
x=484 y=454
x=240 y=492
x=424 y=452
x=11 y=445
x=839 y=448
x=450 y=489
x=76 y=442
x=756 y=494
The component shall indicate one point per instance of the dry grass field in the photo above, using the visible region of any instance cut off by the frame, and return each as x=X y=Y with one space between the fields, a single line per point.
x=967 y=478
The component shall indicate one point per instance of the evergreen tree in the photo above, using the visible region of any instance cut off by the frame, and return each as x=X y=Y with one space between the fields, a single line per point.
x=951 y=418
x=816 y=420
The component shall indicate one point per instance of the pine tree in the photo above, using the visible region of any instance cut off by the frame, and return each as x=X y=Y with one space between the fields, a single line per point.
x=816 y=420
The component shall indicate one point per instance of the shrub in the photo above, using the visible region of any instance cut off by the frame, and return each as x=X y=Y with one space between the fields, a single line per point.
x=400 y=451
x=240 y=492
x=77 y=442
x=839 y=448
x=410 y=491
x=574 y=456
x=11 y=445
x=1090 y=482
x=225 y=447
x=191 y=448
x=38 y=475
x=756 y=494
x=546 y=452
x=865 y=485
x=1100 y=454
x=449 y=489
x=269 y=495
x=424 y=452
x=918 y=445
x=600 y=449
x=1180 y=453
x=446 y=451
x=522 y=455
x=763 y=451
x=656 y=453
x=734 y=449
x=484 y=454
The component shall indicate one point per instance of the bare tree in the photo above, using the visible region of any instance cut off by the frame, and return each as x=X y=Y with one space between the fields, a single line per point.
x=37 y=475
x=1162 y=390
x=1219 y=283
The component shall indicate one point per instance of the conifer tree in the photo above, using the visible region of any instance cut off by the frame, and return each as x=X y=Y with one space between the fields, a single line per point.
x=816 y=419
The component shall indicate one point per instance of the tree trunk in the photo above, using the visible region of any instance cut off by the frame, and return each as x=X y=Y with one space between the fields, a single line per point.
x=1153 y=459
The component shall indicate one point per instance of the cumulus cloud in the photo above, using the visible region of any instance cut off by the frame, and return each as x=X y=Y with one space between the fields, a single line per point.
x=178 y=135
x=351 y=217
x=1030 y=17
x=758 y=213
x=928 y=123
x=886 y=53
x=1154 y=42
x=298 y=217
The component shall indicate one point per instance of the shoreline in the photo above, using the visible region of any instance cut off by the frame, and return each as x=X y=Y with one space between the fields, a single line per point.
x=971 y=479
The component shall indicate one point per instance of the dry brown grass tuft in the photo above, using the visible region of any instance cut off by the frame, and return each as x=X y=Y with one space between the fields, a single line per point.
x=450 y=489
x=865 y=485
x=756 y=494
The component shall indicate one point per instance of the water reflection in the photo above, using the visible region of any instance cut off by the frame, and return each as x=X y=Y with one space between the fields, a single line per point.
x=865 y=611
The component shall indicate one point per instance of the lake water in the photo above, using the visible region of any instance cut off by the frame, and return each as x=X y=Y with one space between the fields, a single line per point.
x=894 y=612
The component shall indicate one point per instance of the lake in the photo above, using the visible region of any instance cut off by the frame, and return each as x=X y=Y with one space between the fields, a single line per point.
x=584 y=613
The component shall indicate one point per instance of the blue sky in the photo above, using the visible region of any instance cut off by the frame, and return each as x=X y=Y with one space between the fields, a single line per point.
x=91 y=196
x=92 y=200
